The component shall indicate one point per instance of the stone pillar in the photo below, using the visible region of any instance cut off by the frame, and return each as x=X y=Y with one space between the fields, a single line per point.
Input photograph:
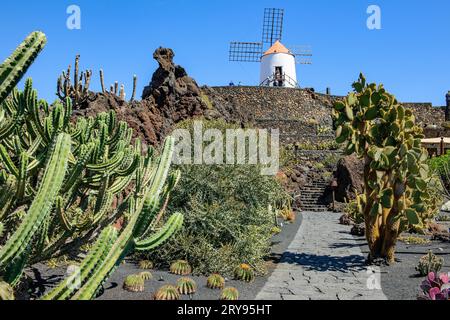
x=447 y=107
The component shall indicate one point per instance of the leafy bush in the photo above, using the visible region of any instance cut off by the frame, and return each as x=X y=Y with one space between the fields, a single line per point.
x=227 y=220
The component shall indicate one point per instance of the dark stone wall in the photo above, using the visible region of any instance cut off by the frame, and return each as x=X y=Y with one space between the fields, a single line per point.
x=301 y=115
x=426 y=114
x=304 y=116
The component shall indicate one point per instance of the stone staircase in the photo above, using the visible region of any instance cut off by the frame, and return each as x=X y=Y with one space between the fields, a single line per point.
x=312 y=196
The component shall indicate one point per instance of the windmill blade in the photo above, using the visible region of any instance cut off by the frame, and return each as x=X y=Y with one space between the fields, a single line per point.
x=245 y=51
x=303 y=53
x=273 y=25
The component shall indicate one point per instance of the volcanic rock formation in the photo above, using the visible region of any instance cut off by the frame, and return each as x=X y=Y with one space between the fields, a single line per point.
x=171 y=97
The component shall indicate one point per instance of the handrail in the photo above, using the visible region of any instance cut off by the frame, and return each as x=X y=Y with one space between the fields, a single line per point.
x=285 y=78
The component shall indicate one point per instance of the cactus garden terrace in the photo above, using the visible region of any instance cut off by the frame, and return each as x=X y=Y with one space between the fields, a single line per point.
x=93 y=207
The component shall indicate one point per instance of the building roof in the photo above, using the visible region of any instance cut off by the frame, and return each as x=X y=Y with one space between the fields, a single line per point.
x=277 y=47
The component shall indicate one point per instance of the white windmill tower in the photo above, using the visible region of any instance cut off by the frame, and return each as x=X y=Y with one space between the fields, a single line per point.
x=278 y=63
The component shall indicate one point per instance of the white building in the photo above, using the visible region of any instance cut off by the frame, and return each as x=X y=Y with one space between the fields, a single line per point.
x=278 y=67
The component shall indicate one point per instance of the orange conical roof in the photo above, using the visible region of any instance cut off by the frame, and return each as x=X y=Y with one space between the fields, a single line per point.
x=277 y=47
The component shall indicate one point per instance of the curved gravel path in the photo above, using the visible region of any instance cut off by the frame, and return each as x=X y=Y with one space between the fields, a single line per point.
x=323 y=262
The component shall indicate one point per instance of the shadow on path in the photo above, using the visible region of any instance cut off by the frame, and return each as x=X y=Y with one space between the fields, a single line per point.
x=325 y=263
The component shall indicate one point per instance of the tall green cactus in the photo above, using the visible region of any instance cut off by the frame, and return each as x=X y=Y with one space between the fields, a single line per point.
x=42 y=204
x=102 y=165
x=143 y=208
x=382 y=132
x=14 y=67
x=59 y=181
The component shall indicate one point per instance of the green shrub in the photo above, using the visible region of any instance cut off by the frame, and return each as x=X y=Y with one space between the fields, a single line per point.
x=227 y=220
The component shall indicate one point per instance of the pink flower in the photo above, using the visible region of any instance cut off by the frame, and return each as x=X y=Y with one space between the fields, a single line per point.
x=431 y=277
x=434 y=292
x=444 y=278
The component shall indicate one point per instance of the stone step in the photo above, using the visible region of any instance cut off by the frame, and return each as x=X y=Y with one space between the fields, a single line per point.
x=325 y=209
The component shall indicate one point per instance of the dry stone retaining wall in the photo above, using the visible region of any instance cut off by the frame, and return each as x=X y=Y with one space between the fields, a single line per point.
x=301 y=114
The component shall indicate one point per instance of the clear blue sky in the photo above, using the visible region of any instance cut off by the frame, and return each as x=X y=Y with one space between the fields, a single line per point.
x=410 y=55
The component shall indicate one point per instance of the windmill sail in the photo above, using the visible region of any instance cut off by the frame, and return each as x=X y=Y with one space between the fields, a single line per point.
x=273 y=25
x=245 y=51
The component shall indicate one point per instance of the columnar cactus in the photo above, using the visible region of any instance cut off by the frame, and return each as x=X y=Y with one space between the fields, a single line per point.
x=40 y=208
x=61 y=182
x=372 y=124
x=97 y=166
x=141 y=233
x=13 y=69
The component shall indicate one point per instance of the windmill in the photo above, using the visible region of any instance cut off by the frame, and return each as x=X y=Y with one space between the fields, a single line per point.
x=278 y=63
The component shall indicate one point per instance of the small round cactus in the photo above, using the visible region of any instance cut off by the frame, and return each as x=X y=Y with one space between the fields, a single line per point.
x=134 y=283
x=181 y=268
x=6 y=292
x=244 y=273
x=186 y=286
x=167 y=293
x=215 y=281
x=275 y=230
x=146 y=275
x=230 y=294
x=145 y=265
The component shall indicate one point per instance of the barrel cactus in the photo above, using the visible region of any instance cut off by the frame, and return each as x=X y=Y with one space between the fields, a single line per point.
x=229 y=294
x=134 y=283
x=244 y=273
x=375 y=126
x=167 y=293
x=146 y=275
x=6 y=291
x=186 y=286
x=145 y=265
x=181 y=268
x=215 y=281
x=429 y=263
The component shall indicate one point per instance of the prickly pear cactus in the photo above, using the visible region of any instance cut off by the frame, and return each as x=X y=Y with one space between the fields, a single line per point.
x=374 y=125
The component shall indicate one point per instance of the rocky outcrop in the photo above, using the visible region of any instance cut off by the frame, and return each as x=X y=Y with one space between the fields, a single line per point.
x=349 y=176
x=171 y=97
